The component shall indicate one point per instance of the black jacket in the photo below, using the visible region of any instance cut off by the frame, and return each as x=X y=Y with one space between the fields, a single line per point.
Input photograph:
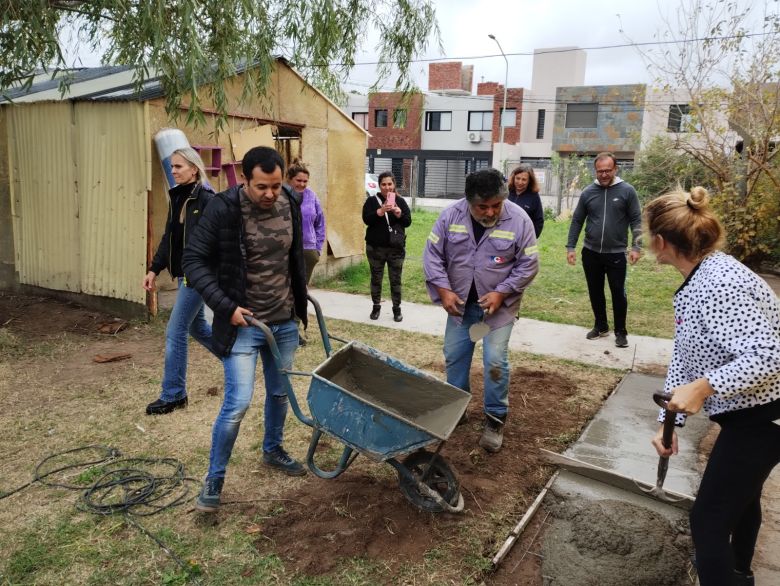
x=196 y=198
x=377 y=233
x=532 y=204
x=215 y=263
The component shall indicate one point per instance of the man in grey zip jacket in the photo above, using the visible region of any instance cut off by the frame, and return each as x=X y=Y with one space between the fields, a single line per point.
x=609 y=206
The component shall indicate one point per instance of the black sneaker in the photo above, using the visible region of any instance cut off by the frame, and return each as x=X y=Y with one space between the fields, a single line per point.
x=621 y=341
x=596 y=333
x=160 y=407
x=208 y=499
x=375 y=312
x=281 y=460
x=397 y=313
x=743 y=579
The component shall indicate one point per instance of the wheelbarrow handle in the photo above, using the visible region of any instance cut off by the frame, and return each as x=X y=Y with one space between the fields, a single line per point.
x=277 y=356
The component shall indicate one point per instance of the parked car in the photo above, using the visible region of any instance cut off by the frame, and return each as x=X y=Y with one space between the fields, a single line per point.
x=372 y=185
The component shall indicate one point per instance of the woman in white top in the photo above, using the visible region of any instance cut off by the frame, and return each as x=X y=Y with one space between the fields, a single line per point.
x=726 y=359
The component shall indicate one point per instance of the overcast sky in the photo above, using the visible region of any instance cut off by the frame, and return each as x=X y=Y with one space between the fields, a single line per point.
x=525 y=25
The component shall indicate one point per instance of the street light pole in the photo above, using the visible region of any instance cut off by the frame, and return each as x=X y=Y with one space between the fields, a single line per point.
x=503 y=108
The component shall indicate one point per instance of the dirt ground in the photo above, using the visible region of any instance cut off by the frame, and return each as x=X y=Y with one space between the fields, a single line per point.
x=367 y=516
x=321 y=523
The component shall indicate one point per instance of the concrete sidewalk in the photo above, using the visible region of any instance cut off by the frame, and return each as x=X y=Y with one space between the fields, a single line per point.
x=537 y=337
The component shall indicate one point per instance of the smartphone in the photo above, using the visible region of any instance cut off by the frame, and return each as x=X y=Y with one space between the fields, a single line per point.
x=390 y=199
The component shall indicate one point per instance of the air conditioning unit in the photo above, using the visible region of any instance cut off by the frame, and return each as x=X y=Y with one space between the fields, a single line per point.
x=474 y=136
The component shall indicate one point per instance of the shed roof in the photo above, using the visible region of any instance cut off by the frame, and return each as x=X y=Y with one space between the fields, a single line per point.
x=114 y=83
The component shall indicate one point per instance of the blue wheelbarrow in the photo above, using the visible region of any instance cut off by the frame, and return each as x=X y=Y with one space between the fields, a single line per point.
x=383 y=409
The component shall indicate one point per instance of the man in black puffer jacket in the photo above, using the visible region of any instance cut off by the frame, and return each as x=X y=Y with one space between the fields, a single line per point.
x=246 y=258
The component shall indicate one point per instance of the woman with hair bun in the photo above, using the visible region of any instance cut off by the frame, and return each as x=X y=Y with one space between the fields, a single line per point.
x=726 y=359
x=186 y=202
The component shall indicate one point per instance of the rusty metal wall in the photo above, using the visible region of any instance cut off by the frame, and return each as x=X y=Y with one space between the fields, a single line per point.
x=79 y=175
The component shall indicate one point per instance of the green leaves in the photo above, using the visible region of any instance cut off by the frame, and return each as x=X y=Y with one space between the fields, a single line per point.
x=195 y=46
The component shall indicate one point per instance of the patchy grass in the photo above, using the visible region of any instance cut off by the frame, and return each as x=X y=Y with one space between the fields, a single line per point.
x=558 y=294
x=60 y=399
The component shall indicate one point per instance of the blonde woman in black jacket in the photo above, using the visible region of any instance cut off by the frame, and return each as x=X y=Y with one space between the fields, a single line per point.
x=186 y=203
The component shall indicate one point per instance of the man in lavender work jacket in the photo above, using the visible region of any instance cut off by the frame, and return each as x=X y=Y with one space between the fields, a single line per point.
x=480 y=256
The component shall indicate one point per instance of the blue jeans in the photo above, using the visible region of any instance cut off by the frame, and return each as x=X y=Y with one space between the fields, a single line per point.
x=186 y=319
x=459 y=350
x=240 y=368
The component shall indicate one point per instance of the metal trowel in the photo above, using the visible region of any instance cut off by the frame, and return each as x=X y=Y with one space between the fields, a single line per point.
x=480 y=329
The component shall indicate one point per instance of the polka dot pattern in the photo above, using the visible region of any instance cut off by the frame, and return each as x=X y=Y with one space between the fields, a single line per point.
x=728 y=331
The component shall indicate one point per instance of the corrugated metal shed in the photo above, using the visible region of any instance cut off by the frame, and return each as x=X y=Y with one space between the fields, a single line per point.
x=80 y=174
x=88 y=198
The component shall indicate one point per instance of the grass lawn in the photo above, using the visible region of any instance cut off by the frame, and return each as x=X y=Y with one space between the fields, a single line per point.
x=558 y=294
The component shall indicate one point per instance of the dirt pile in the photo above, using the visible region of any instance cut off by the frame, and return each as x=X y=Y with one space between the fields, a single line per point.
x=613 y=543
x=363 y=513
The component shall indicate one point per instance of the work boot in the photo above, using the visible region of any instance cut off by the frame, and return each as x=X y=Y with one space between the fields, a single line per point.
x=208 y=499
x=493 y=434
x=397 y=313
x=281 y=460
x=160 y=407
x=375 y=311
x=596 y=333
x=621 y=341
x=743 y=579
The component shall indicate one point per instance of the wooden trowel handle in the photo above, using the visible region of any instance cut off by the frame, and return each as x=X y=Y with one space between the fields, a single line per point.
x=669 y=416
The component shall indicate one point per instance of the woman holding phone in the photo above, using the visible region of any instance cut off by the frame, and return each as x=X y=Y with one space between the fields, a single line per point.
x=386 y=217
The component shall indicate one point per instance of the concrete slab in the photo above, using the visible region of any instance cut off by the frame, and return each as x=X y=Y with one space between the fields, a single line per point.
x=618 y=437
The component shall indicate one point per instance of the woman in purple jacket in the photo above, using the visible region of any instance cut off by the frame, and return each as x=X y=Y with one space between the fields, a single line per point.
x=313 y=218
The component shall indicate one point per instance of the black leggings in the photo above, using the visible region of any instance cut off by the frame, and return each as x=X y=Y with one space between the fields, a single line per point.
x=726 y=516
x=597 y=265
x=378 y=256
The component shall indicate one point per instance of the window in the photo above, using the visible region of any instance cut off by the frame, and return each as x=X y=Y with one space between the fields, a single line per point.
x=540 y=123
x=438 y=121
x=481 y=120
x=380 y=118
x=680 y=119
x=509 y=117
x=399 y=118
x=361 y=118
x=582 y=115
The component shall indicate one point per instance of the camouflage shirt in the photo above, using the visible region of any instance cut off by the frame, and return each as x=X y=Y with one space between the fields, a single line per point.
x=268 y=236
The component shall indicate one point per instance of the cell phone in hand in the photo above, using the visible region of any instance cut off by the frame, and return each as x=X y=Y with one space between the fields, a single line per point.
x=390 y=199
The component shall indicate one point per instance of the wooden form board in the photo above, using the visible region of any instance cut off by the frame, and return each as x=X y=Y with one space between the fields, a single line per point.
x=613 y=478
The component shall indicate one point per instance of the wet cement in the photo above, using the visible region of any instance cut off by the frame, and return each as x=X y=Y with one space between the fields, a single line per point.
x=605 y=535
x=613 y=543
x=618 y=438
x=389 y=385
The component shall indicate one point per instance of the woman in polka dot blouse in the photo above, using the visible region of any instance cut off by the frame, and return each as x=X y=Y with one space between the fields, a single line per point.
x=726 y=359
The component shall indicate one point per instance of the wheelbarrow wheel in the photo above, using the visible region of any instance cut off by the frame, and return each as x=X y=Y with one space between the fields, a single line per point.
x=441 y=479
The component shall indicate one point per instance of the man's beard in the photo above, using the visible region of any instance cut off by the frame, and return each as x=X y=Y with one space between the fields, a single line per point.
x=487 y=222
